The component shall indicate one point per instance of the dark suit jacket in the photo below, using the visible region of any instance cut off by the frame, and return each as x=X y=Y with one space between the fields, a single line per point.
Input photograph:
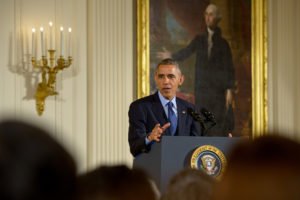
x=146 y=112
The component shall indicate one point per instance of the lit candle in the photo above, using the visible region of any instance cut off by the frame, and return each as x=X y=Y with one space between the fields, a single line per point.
x=51 y=35
x=42 y=41
x=70 y=42
x=61 y=41
x=33 y=42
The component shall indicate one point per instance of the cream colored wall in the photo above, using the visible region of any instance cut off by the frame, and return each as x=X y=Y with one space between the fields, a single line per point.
x=110 y=81
x=65 y=115
x=284 y=64
x=90 y=113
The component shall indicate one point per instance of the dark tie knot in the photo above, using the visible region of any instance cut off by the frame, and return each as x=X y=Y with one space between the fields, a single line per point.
x=170 y=104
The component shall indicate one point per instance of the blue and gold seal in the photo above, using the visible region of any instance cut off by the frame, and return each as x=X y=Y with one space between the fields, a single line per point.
x=209 y=159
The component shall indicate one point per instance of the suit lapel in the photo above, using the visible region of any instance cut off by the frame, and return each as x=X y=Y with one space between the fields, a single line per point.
x=181 y=113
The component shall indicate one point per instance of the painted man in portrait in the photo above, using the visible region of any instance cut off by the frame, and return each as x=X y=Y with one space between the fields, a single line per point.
x=214 y=71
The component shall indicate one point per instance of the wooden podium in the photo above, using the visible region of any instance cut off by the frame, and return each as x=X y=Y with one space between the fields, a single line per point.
x=173 y=153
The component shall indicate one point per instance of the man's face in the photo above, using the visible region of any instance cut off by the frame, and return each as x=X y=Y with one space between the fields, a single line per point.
x=167 y=79
x=210 y=15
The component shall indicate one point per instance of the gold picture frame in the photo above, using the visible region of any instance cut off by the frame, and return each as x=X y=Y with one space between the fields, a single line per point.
x=258 y=59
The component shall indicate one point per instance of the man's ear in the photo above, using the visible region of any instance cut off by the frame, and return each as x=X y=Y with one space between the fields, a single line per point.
x=181 y=80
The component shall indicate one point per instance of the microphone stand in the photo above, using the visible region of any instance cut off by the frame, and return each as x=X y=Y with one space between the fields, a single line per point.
x=212 y=123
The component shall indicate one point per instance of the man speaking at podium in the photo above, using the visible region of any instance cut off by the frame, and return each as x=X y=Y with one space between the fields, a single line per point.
x=161 y=113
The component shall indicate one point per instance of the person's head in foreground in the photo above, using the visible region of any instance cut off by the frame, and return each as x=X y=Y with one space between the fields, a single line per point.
x=190 y=184
x=266 y=168
x=115 y=183
x=33 y=165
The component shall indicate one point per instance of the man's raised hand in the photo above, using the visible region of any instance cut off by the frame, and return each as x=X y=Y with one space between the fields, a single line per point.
x=157 y=131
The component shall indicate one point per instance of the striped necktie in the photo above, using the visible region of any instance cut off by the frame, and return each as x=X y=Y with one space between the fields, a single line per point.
x=172 y=118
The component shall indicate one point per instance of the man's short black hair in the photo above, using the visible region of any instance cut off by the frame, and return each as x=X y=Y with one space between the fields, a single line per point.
x=168 y=61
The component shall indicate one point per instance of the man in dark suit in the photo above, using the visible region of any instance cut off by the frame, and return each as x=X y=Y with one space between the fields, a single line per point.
x=161 y=113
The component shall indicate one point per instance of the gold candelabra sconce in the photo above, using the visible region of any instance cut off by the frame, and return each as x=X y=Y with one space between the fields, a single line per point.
x=48 y=84
x=48 y=67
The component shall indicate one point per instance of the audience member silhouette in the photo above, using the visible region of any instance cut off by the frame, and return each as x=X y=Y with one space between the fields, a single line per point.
x=266 y=168
x=33 y=165
x=115 y=183
x=190 y=184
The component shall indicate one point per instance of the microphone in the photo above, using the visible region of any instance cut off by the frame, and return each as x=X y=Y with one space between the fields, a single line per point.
x=196 y=116
x=209 y=117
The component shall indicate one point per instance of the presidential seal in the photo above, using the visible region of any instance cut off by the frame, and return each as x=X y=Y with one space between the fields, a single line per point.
x=209 y=159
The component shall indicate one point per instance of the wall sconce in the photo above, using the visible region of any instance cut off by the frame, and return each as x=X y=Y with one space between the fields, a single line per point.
x=48 y=67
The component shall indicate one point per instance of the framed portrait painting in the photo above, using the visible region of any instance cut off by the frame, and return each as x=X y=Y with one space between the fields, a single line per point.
x=225 y=74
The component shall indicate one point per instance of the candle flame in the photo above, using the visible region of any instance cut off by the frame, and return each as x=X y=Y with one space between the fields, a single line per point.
x=41 y=29
x=33 y=30
x=70 y=30
x=61 y=28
